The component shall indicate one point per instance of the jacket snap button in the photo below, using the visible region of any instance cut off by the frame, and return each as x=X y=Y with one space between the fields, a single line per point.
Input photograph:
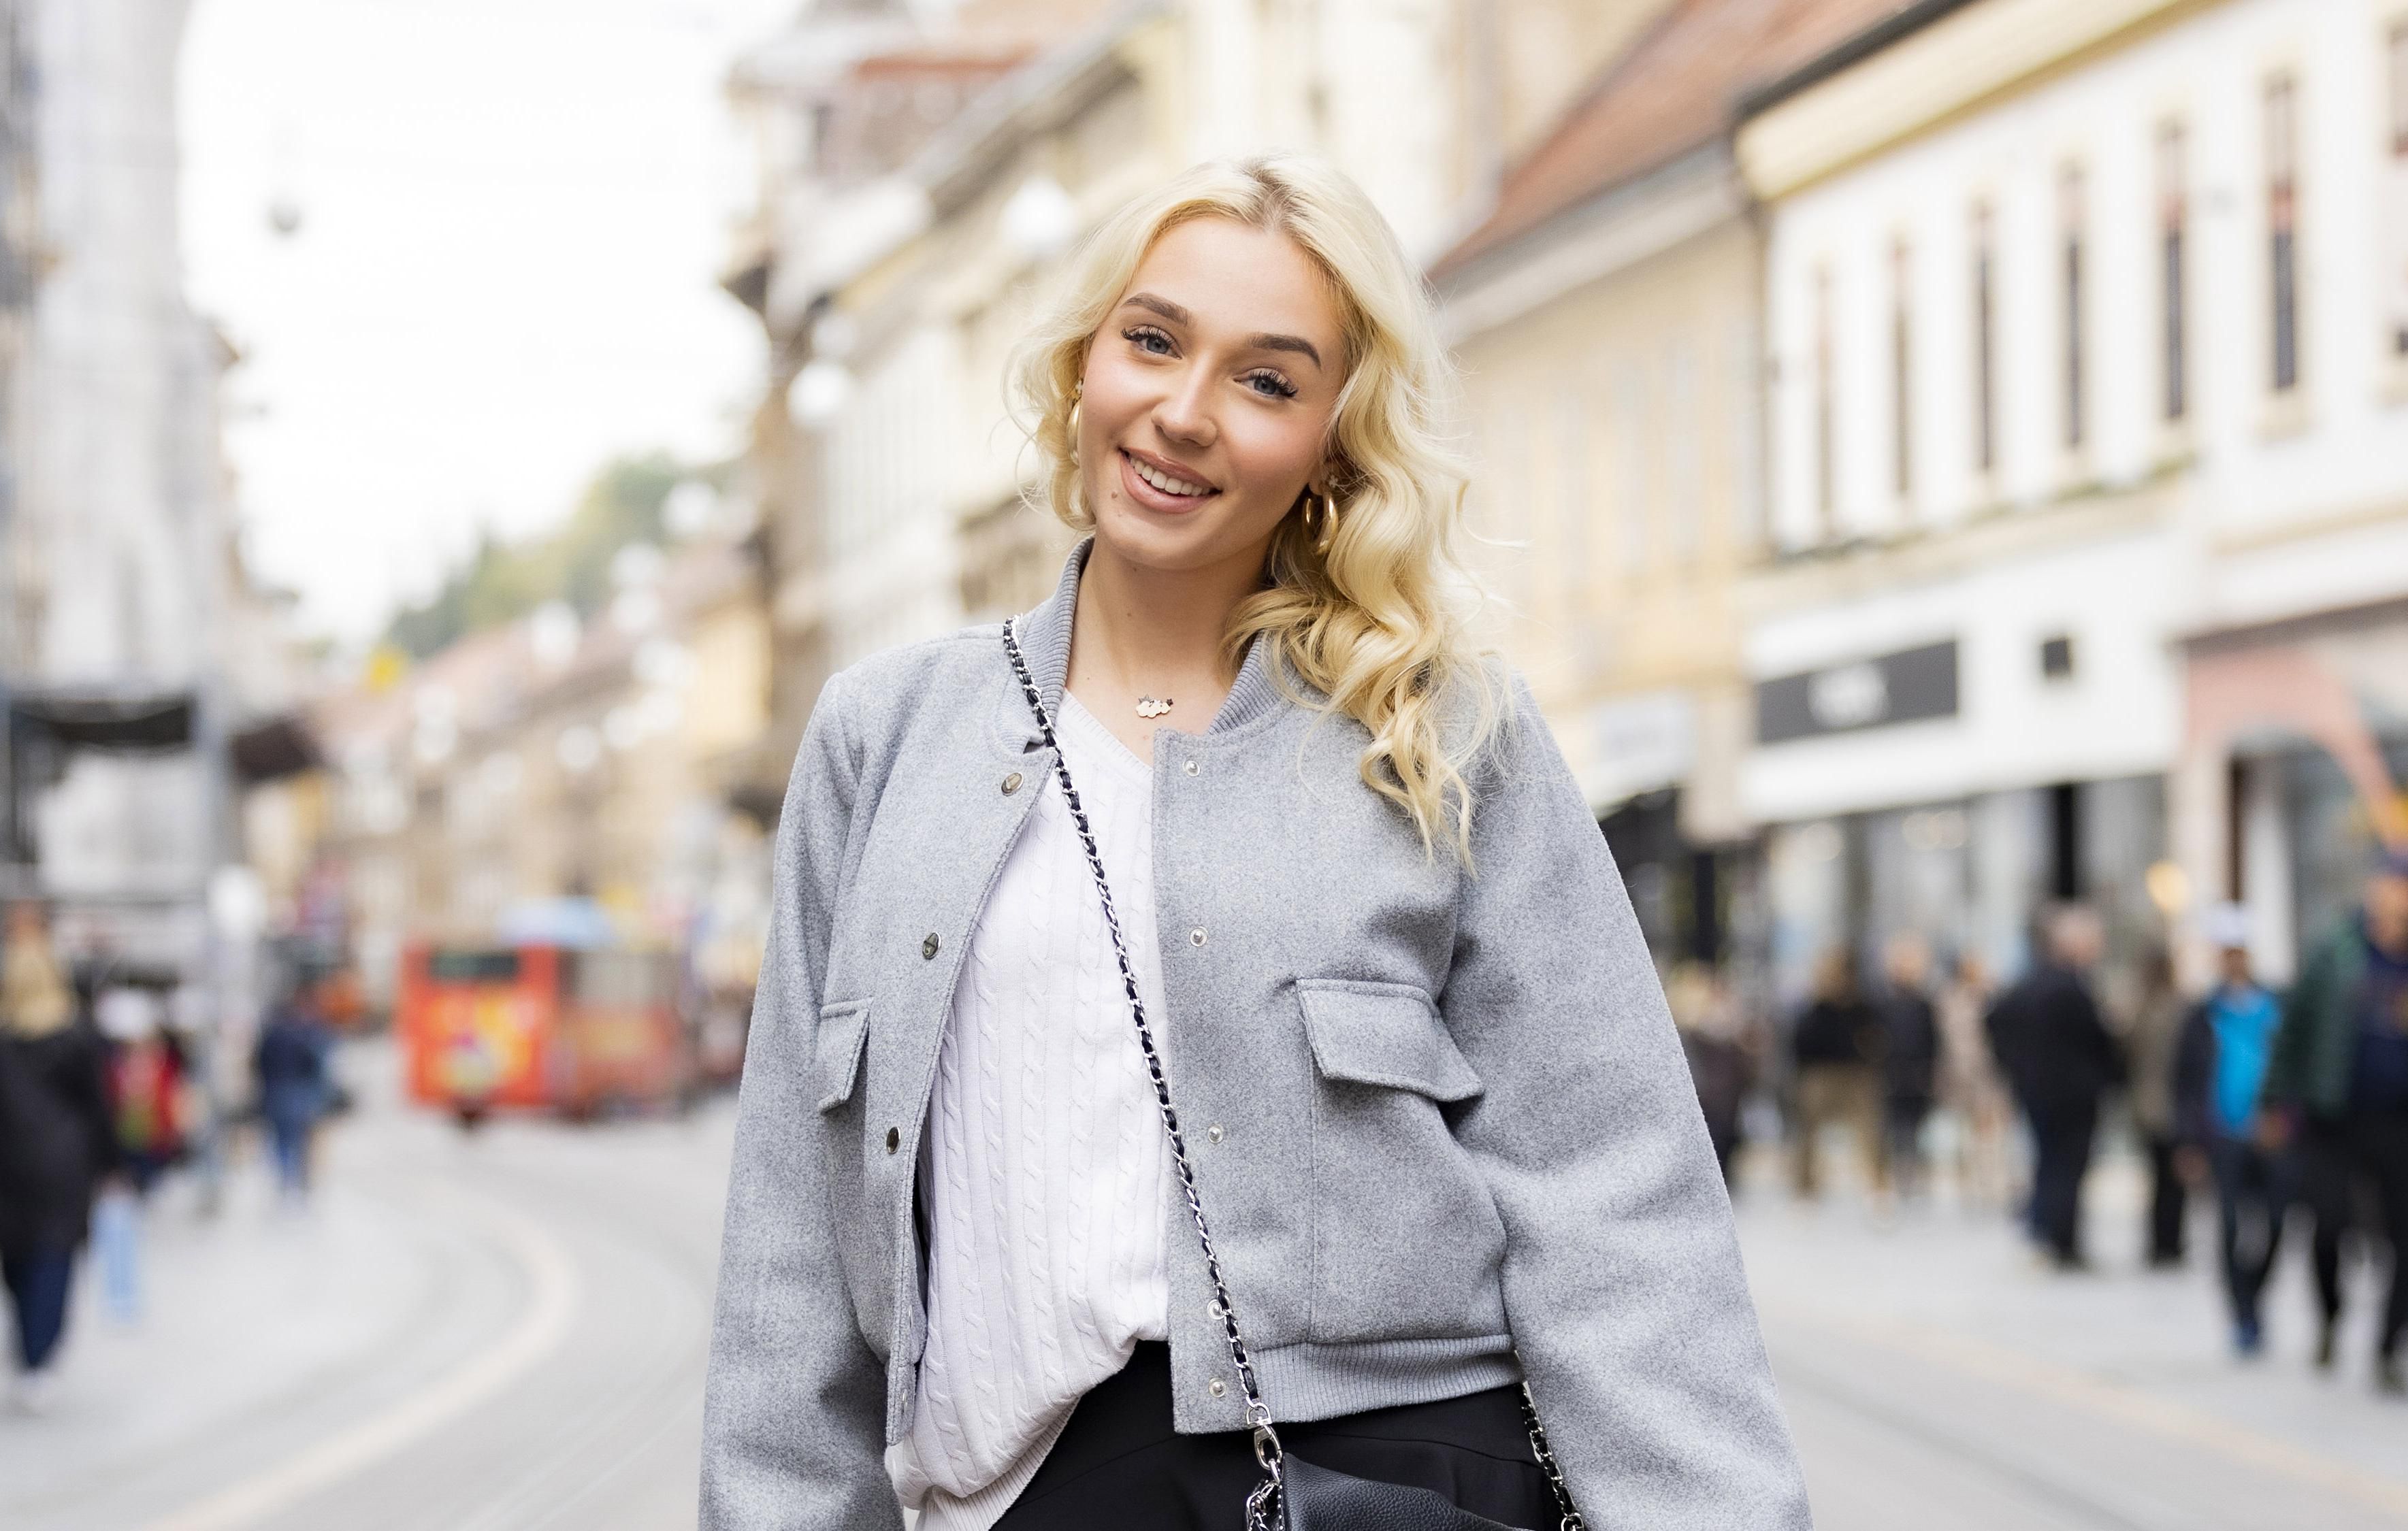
x=1012 y=783
x=929 y=947
x=893 y=1139
x=1194 y=938
x=1214 y=1132
x=1191 y=768
x=1216 y=1387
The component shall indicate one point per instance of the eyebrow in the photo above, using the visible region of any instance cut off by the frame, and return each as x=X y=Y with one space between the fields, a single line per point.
x=1262 y=341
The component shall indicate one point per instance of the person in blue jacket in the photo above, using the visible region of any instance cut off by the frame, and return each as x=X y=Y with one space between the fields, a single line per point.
x=2220 y=1076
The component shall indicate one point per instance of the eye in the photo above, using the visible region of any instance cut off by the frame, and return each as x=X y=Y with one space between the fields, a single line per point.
x=1269 y=385
x=1146 y=337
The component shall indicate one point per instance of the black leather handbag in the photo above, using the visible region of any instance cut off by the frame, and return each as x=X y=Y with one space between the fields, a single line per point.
x=1294 y=1494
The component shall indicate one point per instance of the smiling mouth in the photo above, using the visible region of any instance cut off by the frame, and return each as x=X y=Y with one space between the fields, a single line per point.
x=1166 y=484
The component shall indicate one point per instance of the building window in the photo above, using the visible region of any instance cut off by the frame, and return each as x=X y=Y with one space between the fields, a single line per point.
x=2282 y=227
x=1631 y=465
x=1826 y=515
x=2069 y=226
x=2396 y=196
x=2173 y=212
x=1902 y=367
x=2057 y=657
x=1746 y=426
x=1685 y=475
x=1571 y=498
x=1986 y=330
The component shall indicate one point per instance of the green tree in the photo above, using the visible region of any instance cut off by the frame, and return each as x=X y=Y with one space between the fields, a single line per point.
x=503 y=581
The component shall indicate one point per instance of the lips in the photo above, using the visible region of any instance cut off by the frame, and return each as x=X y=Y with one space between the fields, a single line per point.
x=1157 y=487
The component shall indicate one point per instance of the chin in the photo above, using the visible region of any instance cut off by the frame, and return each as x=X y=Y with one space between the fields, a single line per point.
x=1193 y=539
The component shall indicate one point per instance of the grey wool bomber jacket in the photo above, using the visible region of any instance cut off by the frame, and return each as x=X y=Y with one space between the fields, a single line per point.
x=1457 y=1143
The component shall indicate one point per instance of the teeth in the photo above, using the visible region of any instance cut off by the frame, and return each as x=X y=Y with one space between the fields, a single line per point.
x=1164 y=481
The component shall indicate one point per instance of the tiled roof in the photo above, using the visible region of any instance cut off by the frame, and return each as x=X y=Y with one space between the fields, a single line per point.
x=1672 y=92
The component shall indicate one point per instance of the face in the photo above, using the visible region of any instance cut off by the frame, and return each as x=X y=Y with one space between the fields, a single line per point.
x=2233 y=962
x=1208 y=397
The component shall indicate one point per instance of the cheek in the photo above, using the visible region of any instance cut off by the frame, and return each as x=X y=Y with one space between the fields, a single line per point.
x=1273 y=457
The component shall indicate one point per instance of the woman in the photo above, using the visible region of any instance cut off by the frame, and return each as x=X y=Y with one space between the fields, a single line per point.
x=1425 y=1070
x=57 y=1143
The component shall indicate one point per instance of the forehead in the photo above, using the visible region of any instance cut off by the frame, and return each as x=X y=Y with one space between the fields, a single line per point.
x=1237 y=278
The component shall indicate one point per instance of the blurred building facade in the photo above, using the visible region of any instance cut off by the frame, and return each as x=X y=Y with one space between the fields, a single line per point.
x=1608 y=312
x=556 y=781
x=147 y=677
x=2082 y=402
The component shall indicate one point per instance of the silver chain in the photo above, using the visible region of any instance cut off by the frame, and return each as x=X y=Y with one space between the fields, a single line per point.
x=1261 y=1502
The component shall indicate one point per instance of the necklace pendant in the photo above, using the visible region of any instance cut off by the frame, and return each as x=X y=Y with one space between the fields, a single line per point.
x=1148 y=708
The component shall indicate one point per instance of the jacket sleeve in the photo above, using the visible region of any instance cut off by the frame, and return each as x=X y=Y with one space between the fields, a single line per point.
x=793 y=1408
x=1622 y=1278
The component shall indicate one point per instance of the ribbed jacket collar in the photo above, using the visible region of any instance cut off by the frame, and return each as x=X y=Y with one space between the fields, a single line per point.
x=1044 y=636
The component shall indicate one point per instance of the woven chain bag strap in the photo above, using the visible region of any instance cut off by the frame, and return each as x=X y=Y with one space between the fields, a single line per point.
x=1301 y=1496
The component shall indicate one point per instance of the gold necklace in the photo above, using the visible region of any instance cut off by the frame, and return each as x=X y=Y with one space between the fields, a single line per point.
x=1149 y=708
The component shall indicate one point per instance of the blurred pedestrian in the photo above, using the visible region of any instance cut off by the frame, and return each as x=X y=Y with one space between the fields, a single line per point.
x=1910 y=1056
x=146 y=1082
x=2157 y=1031
x=2060 y=1060
x=2338 y=1078
x=1837 y=1047
x=2219 y=1074
x=57 y=1145
x=1722 y=1060
x=290 y=1063
x=1972 y=1086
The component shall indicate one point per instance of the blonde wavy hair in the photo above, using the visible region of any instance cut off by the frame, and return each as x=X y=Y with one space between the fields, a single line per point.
x=1377 y=627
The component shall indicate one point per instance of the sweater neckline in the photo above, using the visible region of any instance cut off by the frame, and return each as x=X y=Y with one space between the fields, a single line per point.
x=1107 y=749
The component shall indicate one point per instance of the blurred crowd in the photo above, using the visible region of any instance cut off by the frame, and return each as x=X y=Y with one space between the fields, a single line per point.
x=100 y=1100
x=2282 y=1108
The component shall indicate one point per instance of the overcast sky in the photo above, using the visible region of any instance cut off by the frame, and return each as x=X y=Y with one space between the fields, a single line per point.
x=512 y=213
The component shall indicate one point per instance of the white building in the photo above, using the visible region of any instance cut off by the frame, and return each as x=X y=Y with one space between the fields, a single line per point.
x=124 y=603
x=2088 y=369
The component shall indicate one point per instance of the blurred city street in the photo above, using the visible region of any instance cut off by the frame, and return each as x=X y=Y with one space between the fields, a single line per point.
x=481 y=1331
x=505 y=1331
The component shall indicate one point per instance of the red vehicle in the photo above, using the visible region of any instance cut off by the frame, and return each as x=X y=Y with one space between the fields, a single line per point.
x=577 y=1031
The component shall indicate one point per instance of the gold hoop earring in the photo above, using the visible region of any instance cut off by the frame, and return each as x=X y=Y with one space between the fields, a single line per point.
x=1070 y=425
x=1326 y=532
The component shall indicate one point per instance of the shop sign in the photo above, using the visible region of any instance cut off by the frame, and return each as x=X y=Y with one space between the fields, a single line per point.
x=1909 y=686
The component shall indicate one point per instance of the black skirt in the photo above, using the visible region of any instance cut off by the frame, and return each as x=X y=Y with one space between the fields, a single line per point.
x=1119 y=1464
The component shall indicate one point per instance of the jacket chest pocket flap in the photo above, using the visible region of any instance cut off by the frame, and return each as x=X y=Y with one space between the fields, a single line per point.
x=843 y=1037
x=1383 y=1034
x=1406 y=1239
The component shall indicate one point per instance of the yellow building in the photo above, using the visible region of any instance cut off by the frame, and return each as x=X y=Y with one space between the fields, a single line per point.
x=1608 y=316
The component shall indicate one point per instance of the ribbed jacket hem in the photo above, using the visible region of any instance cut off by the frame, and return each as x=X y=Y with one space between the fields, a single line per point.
x=1312 y=1381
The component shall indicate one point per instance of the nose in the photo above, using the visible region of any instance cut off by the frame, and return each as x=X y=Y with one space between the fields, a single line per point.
x=1185 y=414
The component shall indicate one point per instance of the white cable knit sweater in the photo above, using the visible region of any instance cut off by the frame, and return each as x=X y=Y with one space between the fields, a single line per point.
x=1044 y=1179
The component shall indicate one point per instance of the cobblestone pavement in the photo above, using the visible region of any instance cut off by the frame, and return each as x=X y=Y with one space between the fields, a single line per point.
x=506 y=1331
